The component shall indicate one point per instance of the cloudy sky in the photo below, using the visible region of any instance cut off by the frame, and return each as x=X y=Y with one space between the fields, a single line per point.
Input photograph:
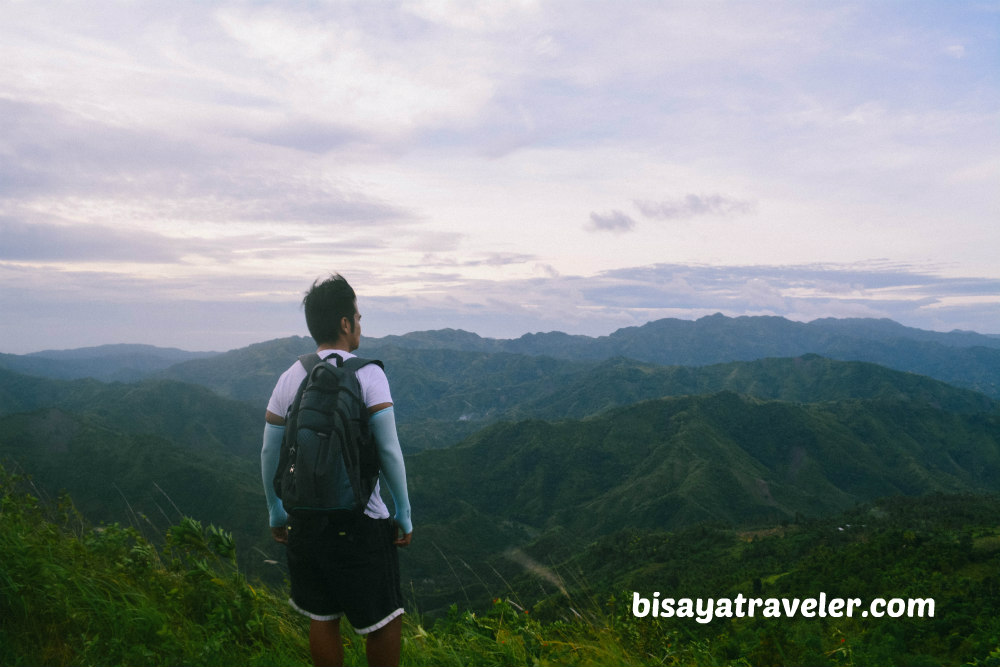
x=178 y=173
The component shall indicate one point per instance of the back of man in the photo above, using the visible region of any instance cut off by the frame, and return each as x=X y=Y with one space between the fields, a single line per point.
x=343 y=567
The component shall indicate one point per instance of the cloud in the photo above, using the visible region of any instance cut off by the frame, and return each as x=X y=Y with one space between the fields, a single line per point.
x=615 y=221
x=694 y=206
x=308 y=135
x=491 y=260
x=906 y=293
x=52 y=153
x=600 y=303
x=165 y=139
x=84 y=242
x=955 y=50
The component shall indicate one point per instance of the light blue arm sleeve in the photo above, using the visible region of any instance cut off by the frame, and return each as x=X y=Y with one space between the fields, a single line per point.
x=270 y=452
x=383 y=425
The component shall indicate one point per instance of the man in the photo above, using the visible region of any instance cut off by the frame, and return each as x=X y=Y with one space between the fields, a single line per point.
x=340 y=568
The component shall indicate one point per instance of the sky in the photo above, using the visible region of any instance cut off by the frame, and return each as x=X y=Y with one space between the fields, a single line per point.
x=178 y=173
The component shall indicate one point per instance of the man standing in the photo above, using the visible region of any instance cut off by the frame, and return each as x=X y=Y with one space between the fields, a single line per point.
x=337 y=567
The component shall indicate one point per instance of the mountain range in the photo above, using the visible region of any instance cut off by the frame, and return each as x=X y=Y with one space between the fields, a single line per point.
x=547 y=439
x=965 y=359
x=121 y=362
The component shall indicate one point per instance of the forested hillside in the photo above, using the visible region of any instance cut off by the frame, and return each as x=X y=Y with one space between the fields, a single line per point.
x=523 y=464
x=72 y=593
x=669 y=463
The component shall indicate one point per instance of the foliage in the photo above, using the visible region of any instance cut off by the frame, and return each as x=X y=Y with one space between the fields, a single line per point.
x=671 y=463
x=75 y=595
x=71 y=594
x=943 y=547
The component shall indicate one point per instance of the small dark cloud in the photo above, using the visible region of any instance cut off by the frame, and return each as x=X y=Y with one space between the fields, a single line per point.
x=692 y=206
x=308 y=135
x=615 y=221
x=495 y=259
x=502 y=259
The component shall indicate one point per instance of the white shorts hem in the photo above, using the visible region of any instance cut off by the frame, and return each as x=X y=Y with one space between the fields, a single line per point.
x=333 y=617
x=315 y=617
x=381 y=624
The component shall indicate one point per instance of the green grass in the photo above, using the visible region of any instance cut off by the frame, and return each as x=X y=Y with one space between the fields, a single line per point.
x=73 y=594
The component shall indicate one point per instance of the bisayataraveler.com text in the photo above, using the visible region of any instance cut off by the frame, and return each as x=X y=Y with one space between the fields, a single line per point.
x=703 y=610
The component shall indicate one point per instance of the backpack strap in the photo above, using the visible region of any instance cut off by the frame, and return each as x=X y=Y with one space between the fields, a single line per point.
x=357 y=363
x=310 y=361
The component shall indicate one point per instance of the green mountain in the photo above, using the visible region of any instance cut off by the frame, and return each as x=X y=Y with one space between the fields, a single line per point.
x=141 y=454
x=963 y=359
x=806 y=379
x=554 y=448
x=759 y=336
x=247 y=373
x=674 y=461
x=115 y=475
x=443 y=396
x=669 y=463
x=189 y=415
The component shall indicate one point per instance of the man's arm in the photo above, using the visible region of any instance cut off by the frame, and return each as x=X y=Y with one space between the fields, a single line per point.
x=383 y=425
x=270 y=452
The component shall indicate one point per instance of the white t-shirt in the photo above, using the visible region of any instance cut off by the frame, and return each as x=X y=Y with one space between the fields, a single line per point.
x=374 y=391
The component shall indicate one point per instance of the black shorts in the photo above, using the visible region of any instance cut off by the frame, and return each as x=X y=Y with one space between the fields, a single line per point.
x=347 y=568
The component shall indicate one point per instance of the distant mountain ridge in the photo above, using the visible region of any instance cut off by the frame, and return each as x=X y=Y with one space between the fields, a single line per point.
x=172 y=354
x=112 y=363
x=443 y=395
x=559 y=344
x=965 y=359
x=962 y=358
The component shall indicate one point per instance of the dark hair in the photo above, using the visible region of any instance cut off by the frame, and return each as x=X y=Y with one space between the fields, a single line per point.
x=326 y=303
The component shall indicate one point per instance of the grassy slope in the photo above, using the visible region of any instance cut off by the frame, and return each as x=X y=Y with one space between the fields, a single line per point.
x=71 y=594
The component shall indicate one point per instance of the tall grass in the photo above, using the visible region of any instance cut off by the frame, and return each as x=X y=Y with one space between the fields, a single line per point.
x=72 y=594
x=75 y=595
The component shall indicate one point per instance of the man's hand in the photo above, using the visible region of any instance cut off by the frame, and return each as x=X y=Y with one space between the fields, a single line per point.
x=280 y=534
x=403 y=541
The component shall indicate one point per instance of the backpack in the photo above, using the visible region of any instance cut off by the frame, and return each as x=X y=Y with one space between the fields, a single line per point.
x=328 y=462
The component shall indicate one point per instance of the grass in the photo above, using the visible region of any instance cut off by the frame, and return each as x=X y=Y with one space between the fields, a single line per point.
x=73 y=594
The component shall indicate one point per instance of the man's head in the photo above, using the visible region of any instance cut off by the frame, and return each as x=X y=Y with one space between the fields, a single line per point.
x=332 y=311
